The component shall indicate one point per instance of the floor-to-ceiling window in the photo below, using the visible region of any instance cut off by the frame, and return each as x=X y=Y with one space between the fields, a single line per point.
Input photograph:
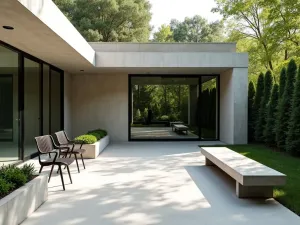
x=169 y=107
x=31 y=98
x=32 y=117
x=9 y=103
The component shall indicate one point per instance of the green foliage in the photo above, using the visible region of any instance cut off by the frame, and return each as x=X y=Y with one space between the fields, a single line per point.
x=262 y=112
x=5 y=187
x=257 y=100
x=164 y=117
x=109 y=20
x=269 y=131
x=13 y=175
x=91 y=136
x=138 y=115
x=28 y=170
x=164 y=34
x=196 y=29
x=267 y=29
x=145 y=113
x=293 y=136
x=251 y=118
x=282 y=82
x=86 y=139
x=285 y=106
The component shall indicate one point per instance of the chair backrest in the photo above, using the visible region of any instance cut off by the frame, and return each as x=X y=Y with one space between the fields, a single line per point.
x=44 y=143
x=61 y=137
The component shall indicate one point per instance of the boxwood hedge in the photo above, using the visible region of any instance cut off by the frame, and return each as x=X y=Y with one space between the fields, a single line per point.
x=91 y=137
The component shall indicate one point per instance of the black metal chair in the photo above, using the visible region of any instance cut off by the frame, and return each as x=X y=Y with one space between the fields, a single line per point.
x=45 y=145
x=70 y=147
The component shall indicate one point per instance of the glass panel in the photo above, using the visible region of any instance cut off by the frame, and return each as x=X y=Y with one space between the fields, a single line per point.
x=209 y=107
x=46 y=97
x=55 y=108
x=31 y=105
x=9 y=110
x=164 y=107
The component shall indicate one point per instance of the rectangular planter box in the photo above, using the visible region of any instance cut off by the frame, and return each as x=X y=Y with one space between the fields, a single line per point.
x=18 y=205
x=93 y=150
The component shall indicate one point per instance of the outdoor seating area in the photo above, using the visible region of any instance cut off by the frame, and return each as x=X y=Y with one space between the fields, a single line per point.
x=153 y=183
x=63 y=151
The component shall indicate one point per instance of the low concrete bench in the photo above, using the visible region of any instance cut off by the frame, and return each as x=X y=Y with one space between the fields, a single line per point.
x=253 y=179
x=180 y=127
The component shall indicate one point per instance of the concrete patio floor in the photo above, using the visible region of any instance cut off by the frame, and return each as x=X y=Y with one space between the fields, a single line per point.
x=153 y=183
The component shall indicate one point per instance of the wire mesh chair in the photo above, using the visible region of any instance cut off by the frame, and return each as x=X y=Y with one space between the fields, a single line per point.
x=45 y=145
x=70 y=147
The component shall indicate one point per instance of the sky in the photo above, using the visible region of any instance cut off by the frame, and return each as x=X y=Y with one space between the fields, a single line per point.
x=165 y=10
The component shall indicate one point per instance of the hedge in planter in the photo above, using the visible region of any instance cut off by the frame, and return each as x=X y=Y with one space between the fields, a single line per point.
x=12 y=177
x=91 y=137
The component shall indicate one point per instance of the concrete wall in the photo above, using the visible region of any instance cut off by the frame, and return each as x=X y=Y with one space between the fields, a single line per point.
x=67 y=104
x=233 y=106
x=100 y=101
x=162 y=47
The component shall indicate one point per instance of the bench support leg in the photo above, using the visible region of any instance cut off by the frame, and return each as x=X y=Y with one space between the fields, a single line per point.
x=254 y=191
x=208 y=162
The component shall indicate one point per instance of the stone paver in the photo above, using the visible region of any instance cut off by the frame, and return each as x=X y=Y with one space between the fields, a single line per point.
x=153 y=183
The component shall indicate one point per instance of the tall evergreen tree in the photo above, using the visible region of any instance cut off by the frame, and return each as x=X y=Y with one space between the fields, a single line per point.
x=293 y=136
x=258 y=97
x=282 y=81
x=261 y=122
x=285 y=106
x=269 y=131
x=251 y=97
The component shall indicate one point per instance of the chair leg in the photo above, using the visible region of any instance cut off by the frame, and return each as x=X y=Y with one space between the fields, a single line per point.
x=49 y=155
x=62 y=178
x=50 y=173
x=41 y=169
x=82 y=161
x=69 y=174
x=77 y=163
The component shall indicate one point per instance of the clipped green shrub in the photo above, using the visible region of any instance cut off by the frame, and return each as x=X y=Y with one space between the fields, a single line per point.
x=85 y=139
x=293 y=136
x=28 y=170
x=99 y=133
x=262 y=112
x=285 y=106
x=282 y=81
x=251 y=118
x=258 y=97
x=5 y=187
x=164 y=117
x=269 y=131
x=14 y=175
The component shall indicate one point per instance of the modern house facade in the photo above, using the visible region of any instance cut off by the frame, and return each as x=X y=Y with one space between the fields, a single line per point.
x=52 y=79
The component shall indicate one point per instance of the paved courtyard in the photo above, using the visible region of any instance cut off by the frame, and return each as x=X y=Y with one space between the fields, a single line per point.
x=153 y=183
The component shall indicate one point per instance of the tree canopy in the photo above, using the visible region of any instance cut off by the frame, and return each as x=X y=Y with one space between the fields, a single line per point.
x=109 y=20
x=268 y=29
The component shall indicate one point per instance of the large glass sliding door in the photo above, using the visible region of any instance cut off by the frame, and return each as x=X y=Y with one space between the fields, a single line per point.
x=32 y=117
x=173 y=107
x=9 y=105
x=31 y=103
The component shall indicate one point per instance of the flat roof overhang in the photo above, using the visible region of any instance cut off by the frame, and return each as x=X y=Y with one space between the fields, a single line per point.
x=41 y=30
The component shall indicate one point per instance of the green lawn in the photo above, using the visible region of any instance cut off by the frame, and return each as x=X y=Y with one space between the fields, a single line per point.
x=288 y=195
